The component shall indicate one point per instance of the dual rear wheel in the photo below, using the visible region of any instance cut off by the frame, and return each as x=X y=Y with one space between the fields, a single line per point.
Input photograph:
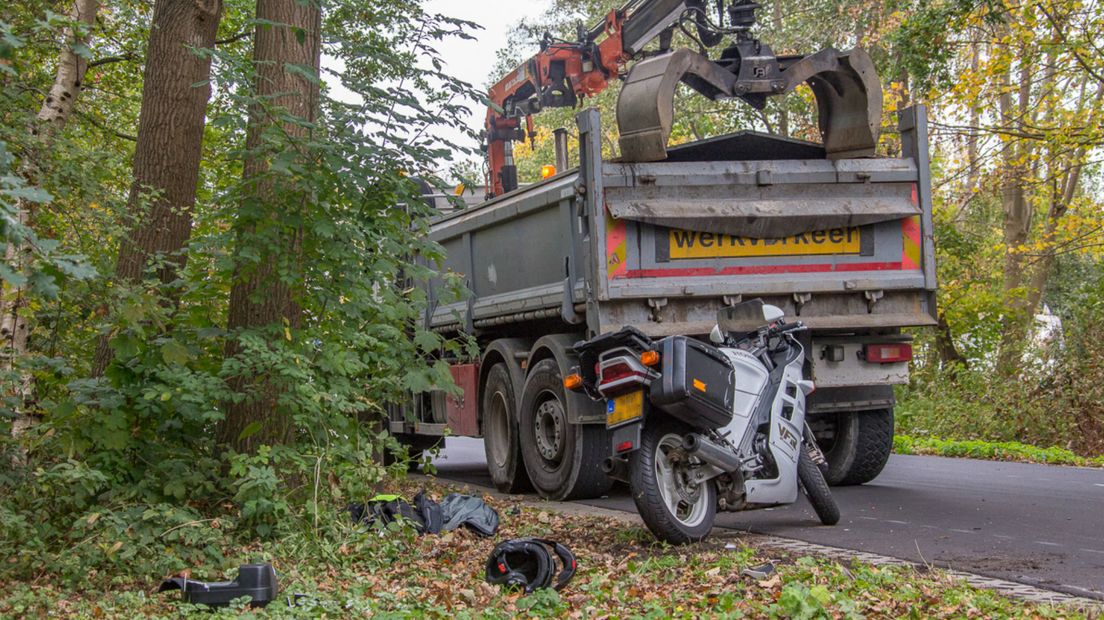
x=535 y=444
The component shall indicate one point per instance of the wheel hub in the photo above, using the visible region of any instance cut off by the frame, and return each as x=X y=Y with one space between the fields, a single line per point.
x=549 y=429
x=684 y=496
x=686 y=487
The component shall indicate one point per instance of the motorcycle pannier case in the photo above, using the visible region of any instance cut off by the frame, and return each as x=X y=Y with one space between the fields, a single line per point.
x=696 y=384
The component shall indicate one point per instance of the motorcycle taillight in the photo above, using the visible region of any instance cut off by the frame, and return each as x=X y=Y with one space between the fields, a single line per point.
x=620 y=374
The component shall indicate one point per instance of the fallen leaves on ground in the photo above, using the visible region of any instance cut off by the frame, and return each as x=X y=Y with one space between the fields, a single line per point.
x=623 y=572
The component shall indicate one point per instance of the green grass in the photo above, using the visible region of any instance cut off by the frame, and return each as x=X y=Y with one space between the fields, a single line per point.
x=997 y=451
x=346 y=571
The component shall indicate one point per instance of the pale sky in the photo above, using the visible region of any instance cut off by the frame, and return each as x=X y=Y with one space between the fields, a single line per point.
x=468 y=60
x=472 y=61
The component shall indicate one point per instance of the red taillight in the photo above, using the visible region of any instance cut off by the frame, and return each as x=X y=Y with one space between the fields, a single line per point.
x=887 y=353
x=618 y=375
x=624 y=446
x=617 y=372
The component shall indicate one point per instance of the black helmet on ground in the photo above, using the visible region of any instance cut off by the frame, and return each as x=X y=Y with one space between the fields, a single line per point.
x=527 y=563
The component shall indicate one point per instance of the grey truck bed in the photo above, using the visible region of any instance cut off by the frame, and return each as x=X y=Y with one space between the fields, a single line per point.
x=844 y=245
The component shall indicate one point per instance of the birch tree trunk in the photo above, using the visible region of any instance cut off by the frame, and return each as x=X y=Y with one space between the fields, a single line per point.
x=261 y=295
x=170 y=139
x=50 y=120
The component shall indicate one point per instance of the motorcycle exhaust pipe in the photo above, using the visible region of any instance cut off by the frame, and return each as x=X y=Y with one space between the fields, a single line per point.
x=718 y=456
x=616 y=468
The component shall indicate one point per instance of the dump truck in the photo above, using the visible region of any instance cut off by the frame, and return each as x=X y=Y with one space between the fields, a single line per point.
x=843 y=244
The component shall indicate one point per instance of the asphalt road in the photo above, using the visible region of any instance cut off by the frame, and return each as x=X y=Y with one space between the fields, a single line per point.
x=1041 y=525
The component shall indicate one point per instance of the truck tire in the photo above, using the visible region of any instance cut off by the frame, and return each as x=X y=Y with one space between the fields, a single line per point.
x=563 y=460
x=500 y=433
x=857 y=445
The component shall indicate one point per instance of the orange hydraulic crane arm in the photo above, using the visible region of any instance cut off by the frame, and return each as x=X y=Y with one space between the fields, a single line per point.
x=557 y=76
x=564 y=72
x=845 y=84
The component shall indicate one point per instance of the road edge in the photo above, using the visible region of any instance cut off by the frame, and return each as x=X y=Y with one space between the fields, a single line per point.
x=1012 y=589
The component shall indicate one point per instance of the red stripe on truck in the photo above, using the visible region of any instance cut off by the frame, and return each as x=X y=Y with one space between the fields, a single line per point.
x=740 y=270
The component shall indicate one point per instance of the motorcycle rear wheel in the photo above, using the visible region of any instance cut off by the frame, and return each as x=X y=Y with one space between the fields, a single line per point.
x=675 y=508
x=816 y=489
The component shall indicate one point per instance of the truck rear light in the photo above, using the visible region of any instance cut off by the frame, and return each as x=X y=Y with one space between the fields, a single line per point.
x=624 y=446
x=887 y=353
x=649 y=358
x=573 y=382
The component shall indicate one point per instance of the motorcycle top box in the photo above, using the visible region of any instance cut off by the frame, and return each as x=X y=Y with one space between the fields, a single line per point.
x=696 y=383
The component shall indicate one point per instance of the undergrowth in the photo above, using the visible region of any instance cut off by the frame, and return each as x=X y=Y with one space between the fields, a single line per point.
x=332 y=568
x=997 y=451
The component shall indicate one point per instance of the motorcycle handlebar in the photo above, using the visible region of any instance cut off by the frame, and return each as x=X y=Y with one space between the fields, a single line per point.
x=792 y=327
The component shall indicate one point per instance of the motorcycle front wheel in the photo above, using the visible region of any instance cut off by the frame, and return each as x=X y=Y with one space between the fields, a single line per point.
x=675 y=506
x=816 y=489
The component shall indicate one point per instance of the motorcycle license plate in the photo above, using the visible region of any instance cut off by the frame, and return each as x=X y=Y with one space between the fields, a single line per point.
x=624 y=408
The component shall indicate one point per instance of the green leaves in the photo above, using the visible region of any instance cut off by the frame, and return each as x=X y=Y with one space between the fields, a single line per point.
x=250 y=430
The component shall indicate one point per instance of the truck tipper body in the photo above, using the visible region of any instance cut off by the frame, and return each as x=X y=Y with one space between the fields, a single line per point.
x=843 y=245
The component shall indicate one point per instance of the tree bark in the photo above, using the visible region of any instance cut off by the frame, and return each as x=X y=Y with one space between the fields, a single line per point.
x=1017 y=220
x=972 y=165
x=170 y=139
x=261 y=295
x=949 y=356
x=51 y=119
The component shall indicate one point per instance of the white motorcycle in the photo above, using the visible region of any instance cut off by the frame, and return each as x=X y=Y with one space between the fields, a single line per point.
x=697 y=428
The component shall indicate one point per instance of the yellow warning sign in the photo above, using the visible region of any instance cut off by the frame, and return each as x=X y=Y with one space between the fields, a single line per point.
x=694 y=244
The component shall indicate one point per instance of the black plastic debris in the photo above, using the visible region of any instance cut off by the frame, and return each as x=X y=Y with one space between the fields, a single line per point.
x=760 y=572
x=257 y=581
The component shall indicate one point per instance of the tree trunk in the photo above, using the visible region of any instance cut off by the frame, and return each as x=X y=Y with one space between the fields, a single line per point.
x=170 y=139
x=1064 y=189
x=949 y=357
x=50 y=120
x=1017 y=221
x=261 y=295
x=972 y=165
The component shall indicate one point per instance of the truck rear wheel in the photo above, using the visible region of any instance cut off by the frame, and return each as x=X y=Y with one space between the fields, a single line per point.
x=563 y=460
x=500 y=433
x=856 y=444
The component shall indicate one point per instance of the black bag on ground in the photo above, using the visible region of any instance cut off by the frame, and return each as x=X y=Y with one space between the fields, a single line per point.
x=428 y=516
x=425 y=513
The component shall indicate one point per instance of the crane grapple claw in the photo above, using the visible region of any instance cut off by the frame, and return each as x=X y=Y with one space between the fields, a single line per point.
x=645 y=107
x=845 y=84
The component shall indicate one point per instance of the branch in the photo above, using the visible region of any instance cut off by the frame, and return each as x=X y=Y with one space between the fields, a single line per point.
x=132 y=56
x=245 y=34
x=1072 y=48
x=111 y=59
x=98 y=125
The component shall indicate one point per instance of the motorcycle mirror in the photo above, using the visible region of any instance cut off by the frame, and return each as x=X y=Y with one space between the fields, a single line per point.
x=772 y=313
x=716 y=336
